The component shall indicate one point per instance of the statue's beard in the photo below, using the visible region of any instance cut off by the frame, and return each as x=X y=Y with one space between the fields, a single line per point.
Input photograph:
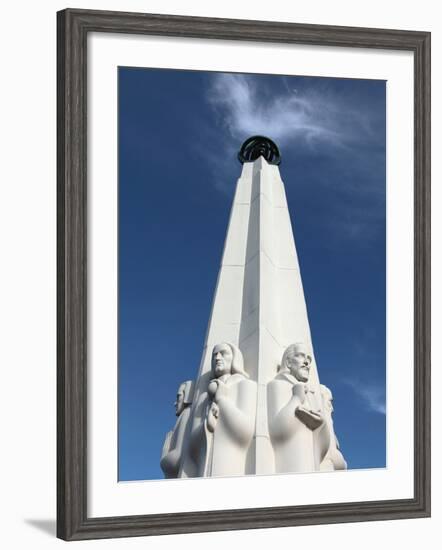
x=302 y=375
x=221 y=369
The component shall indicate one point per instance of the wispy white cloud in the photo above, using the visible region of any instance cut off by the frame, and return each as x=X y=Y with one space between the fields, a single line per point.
x=311 y=118
x=316 y=117
x=373 y=395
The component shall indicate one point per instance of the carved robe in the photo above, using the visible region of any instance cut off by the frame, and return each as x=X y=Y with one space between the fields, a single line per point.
x=300 y=439
x=219 y=441
x=334 y=459
x=172 y=454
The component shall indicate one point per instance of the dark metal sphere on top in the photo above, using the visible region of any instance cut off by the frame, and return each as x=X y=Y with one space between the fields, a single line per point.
x=259 y=146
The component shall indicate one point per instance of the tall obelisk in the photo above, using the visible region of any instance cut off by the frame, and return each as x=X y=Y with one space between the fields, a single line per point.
x=259 y=303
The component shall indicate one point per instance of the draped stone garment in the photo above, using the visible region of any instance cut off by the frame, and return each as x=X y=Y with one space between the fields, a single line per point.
x=219 y=443
x=300 y=441
x=172 y=454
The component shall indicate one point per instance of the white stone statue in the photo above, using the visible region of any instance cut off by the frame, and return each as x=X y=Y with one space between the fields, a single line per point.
x=334 y=459
x=224 y=419
x=297 y=423
x=172 y=453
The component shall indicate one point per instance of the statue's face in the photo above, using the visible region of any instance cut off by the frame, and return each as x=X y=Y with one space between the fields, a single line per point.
x=299 y=363
x=222 y=358
x=179 y=403
x=328 y=399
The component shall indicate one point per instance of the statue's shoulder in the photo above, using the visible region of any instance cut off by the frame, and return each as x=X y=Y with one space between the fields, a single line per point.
x=281 y=385
x=185 y=414
x=279 y=382
x=238 y=378
x=283 y=378
x=203 y=396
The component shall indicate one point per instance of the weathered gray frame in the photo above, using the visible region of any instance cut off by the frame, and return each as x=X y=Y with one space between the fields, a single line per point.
x=73 y=28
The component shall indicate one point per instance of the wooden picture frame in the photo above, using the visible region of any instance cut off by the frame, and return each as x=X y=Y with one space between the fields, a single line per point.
x=74 y=25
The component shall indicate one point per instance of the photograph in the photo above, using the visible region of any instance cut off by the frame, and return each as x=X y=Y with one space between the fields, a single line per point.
x=251 y=274
x=220 y=236
x=243 y=274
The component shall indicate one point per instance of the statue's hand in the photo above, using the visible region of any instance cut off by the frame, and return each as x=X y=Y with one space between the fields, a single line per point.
x=311 y=419
x=212 y=417
x=299 y=391
x=214 y=410
x=213 y=386
x=221 y=392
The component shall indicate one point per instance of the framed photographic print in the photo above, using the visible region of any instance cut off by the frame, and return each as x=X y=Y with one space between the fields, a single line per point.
x=243 y=228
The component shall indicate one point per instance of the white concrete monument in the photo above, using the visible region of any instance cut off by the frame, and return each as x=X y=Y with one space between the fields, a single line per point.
x=258 y=406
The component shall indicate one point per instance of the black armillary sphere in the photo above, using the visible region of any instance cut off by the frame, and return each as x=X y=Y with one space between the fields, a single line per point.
x=259 y=146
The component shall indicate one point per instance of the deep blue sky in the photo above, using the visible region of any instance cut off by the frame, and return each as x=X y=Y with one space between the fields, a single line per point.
x=179 y=132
